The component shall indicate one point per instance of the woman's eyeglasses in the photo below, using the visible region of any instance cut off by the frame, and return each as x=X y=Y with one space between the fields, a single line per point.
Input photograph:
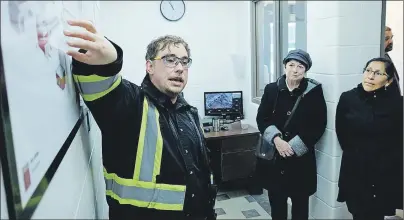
x=377 y=73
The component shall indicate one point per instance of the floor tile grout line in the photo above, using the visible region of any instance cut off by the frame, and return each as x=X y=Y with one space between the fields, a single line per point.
x=259 y=209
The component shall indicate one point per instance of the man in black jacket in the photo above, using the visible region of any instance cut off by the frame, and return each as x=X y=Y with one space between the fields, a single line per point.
x=388 y=46
x=154 y=155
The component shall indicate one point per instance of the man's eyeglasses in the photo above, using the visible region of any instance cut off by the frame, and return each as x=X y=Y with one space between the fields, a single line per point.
x=172 y=61
x=377 y=73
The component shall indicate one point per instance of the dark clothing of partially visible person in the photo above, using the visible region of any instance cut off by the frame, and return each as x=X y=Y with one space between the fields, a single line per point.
x=279 y=206
x=369 y=127
x=370 y=213
x=184 y=155
x=368 y=216
x=294 y=176
x=396 y=83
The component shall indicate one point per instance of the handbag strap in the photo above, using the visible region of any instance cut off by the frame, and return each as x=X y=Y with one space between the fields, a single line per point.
x=293 y=110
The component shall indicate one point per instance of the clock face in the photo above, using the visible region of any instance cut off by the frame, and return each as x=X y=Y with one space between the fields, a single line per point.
x=172 y=10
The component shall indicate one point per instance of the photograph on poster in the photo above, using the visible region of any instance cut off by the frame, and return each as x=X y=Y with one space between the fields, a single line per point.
x=42 y=99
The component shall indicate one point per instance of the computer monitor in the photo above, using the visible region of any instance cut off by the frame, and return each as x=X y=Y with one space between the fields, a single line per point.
x=224 y=104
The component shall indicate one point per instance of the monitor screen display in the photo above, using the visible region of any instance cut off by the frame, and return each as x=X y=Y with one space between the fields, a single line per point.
x=224 y=103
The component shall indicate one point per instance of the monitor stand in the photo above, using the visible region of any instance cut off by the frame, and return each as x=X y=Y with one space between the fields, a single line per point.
x=233 y=118
x=229 y=120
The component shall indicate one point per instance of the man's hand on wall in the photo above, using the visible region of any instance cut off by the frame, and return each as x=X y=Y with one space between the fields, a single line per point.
x=99 y=50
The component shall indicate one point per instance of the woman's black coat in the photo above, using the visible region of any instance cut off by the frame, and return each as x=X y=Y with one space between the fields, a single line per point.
x=296 y=174
x=369 y=126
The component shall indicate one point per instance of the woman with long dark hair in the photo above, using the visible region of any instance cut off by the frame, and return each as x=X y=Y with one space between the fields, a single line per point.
x=369 y=126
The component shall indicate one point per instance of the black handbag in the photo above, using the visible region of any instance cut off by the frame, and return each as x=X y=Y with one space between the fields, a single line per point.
x=266 y=150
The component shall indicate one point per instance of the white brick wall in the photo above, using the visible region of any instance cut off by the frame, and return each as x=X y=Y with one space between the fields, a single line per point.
x=97 y=172
x=342 y=36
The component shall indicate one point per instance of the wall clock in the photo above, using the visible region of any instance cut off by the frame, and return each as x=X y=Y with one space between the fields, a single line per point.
x=172 y=10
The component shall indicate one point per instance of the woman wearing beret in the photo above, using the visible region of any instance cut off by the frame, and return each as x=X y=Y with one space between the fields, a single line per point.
x=369 y=127
x=292 y=117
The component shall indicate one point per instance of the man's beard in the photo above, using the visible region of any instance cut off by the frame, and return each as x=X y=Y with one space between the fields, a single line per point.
x=172 y=93
x=389 y=47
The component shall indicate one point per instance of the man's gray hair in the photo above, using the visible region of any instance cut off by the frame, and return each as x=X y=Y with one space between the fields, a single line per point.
x=161 y=43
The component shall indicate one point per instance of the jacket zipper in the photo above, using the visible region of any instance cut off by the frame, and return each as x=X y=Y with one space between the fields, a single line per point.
x=174 y=132
x=171 y=123
x=203 y=150
x=205 y=156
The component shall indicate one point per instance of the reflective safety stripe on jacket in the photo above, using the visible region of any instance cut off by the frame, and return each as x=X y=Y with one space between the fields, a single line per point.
x=142 y=190
x=93 y=87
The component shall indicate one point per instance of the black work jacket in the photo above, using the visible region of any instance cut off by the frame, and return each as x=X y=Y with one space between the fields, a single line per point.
x=396 y=83
x=294 y=175
x=369 y=126
x=184 y=157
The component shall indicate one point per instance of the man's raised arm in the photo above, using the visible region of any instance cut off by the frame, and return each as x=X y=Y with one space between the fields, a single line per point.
x=95 y=69
x=97 y=63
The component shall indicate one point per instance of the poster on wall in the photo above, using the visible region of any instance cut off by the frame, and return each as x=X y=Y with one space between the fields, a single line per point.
x=42 y=100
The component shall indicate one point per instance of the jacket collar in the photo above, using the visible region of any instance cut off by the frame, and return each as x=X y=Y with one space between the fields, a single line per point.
x=297 y=91
x=380 y=92
x=160 y=98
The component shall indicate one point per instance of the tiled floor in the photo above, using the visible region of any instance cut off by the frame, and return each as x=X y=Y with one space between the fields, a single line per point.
x=238 y=204
x=241 y=205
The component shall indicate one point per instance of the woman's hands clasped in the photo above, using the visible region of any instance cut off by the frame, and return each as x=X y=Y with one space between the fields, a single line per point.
x=100 y=51
x=283 y=147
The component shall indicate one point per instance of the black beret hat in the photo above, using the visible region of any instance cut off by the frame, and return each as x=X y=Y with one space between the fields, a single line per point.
x=299 y=55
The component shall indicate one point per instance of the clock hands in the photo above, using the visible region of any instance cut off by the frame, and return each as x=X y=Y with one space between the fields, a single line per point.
x=171 y=5
x=174 y=13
